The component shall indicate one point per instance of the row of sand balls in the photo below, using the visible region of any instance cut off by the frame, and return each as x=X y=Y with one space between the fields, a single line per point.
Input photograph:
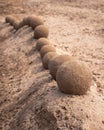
x=40 y=30
x=72 y=75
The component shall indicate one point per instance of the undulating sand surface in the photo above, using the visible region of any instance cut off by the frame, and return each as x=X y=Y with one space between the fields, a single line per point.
x=29 y=97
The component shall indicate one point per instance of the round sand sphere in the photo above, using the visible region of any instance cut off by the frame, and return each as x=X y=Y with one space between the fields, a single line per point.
x=74 y=77
x=16 y=25
x=47 y=57
x=10 y=19
x=35 y=21
x=55 y=63
x=41 y=31
x=26 y=21
x=41 y=42
x=45 y=49
x=7 y=19
x=21 y=24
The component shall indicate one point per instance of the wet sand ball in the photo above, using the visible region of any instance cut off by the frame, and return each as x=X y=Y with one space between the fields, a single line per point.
x=41 y=42
x=47 y=57
x=35 y=21
x=55 y=63
x=45 y=49
x=41 y=31
x=74 y=77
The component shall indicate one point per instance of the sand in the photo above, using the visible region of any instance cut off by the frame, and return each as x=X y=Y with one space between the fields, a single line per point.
x=29 y=97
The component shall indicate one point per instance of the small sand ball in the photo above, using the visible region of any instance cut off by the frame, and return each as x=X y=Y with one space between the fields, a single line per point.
x=41 y=42
x=10 y=19
x=26 y=21
x=7 y=19
x=74 y=77
x=16 y=25
x=41 y=31
x=21 y=24
x=45 y=49
x=55 y=63
x=35 y=21
x=47 y=57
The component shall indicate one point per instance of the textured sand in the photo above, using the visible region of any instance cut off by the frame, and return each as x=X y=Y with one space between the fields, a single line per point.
x=29 y=97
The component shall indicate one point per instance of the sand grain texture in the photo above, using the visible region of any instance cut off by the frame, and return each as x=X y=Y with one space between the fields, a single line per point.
x=29 y=97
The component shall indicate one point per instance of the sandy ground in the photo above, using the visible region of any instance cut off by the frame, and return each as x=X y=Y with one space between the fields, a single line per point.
x=29 y=97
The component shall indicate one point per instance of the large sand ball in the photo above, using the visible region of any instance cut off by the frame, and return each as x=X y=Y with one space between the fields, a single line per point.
x=35 y=21
x=55 y=63
x=45 y=49
x=41 y=42
x=47 y=57
x=74 y=77
x=41 y=31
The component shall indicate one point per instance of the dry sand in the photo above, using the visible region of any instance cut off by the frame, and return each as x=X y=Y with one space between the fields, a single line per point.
x=29 y=97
